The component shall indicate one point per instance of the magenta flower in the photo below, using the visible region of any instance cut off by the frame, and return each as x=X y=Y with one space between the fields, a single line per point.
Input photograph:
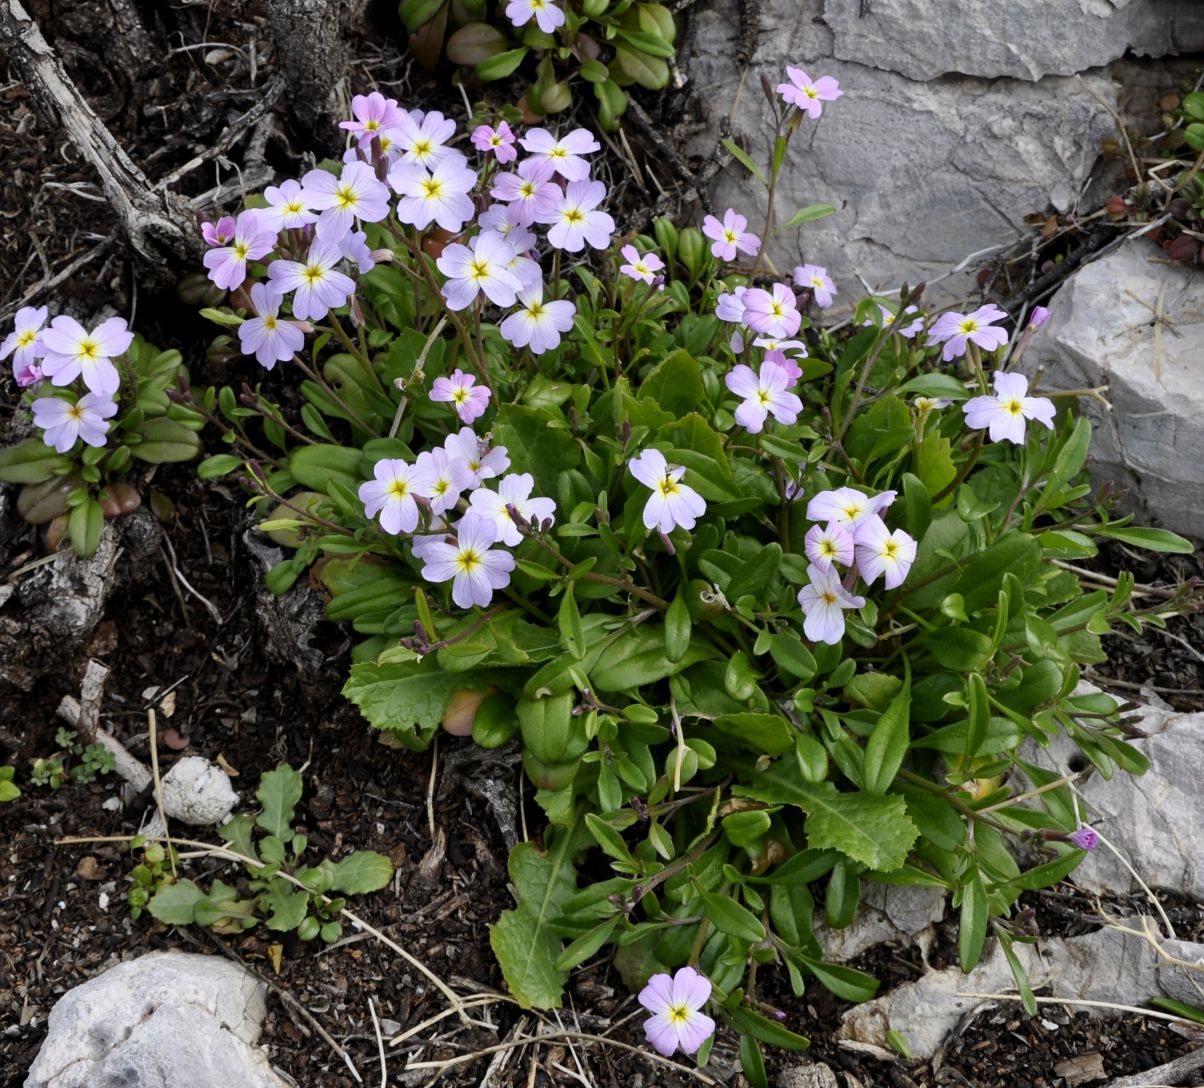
x=393 y=494
x=1085 y=838
x=847 y=506
x=440 y=194
x=354 y=194
x=575 y=219
x=562 y=155
x=449 y=477
x=64 y=422
x=808 y=95
x=268 y=337
x=461 y=390
x=319 y=288
x=530 y=192
x=640 y=267
x=730 y=236
x=771 y=313
x=24 y=344
x=676 y=1005
x=479 y=267
x=825 y=546
x=474 y=570
x=220 y=233
x=71 y=352
x=975 y=328
x=253 y=239
x=499 y=140
x=538 y=324
x=513 y=490
x=286 y=207
x=815 y=279
x=1005 y=413
x=374 y=114
x=824 y=602
x=763 y=392
x=547 y=14
x=483 y=462
x=879 y=551
x=421 y=138
x=671 y=503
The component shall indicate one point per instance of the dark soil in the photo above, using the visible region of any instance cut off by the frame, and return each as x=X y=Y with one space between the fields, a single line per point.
x=243 y=697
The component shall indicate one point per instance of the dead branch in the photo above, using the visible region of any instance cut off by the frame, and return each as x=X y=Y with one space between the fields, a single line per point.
x=1173 y=1072
x=311 y=58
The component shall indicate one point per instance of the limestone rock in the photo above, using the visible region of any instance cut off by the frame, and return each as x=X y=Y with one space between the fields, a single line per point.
x=887 y=912
x=159 y=1021
x=1184 y=984
x=1103 y=331
x=811 y=1075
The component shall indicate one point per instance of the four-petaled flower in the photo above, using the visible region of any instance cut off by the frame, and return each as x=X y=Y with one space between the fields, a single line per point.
x=801 y=91
x=538 y=324
x=825 y=546
x=676 y=1004
x=879 y=551
x=470 y=564
x=70 y=352
x=512 y=490
x=24 y=344
x=64 y=422
x=253 y=238
x=671 y=503
x=763 y=392
x=563 y=154
x=354 y=194
x=730 y=235
x=547 y=14
x=499 y=140
x=394 y=493
x=815 y=279
x=267 y=336
x=460 y=389
x=640 y=267
x=575 y=219
x=976 y=328
x=319 y=288
x=480 y=266
x=771 y=313
x=1004 y=413
x=824 y=602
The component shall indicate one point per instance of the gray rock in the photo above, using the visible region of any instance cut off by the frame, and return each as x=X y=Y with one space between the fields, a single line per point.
x=1183 y=983
x=811 y=1075
x=160 y=1021
x=1152 y=819
x=1102 y=331
x=887 y=912
x=1026 y=39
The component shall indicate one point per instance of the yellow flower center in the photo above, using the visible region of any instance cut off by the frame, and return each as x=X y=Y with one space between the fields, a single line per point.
x=468 y=560
x=776 y=309
x=968 y=326
x=241 y=249
x=26 y=338
x=346 y=196
x=679 y=1014
x=422 y=148
x=810 y=92
x=495 y=140
x=889 y=549
x=556 y=152
x=666 y=487
x=816 y=281
x=294 y=206
x=269 y=322
x=730 y=235
x=574 y=216
x=75 y=412
x=527 y=190
x=441 y=487
x=762 y=398
x=828 y=597
x=1014 y=407
x=371 y=126
x=828 y=548
x=479 y=270
x=399 y=489
x=852 y=512
x=89 y=349
x=460 y=395
x=313 y=273
x=536 y=309
x=432 y=188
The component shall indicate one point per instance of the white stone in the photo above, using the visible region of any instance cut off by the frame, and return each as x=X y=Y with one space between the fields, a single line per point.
x=197 y=791
x=1184 y=981
x=887 y=912
x=1102 y=330
x=811 y=1075
x=163 y=1020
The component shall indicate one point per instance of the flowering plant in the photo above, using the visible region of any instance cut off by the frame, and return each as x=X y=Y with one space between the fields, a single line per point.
x=771 y=610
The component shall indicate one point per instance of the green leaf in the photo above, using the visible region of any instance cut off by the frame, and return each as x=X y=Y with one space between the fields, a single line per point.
x=972 y=925
x=175 y=904
x=809 y=214
x=768 y=733
x=741 y=156
x=978 y=710
x=31 y=462
x=522 y=939
x=1067 y=465
x=752 y=1023
x=572 y=634
x=639 y=67
x=675 y=384
x=288 y=906
x=587 y=944
x=677 y=628
x=220 y=464
x=164 y=440
x=278 y=793
x=755 y=574
x=887 y=746
x=638 y=658
x=1154 y=540
x=751 y=1061
x=316 y=467
x=652 y=44
x=363 y=871
x=240 y=835
x=84 y=525
x=609 y=839
x=538 y=442
x=502 y=65
x=847 y=983
x=730 y=917
x=1049 y=873
x=876 y=831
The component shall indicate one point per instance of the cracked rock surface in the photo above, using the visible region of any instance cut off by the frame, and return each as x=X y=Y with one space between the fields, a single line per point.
x=160 y=1021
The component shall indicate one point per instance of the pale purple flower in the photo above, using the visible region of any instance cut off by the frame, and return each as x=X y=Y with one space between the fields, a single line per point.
x=473 y=568
x=824 y=602
x=460 y=389
x=499 y=140
x=671 y=503
x=547 y=14
x=1005 y=412
x=440 y=194
x=538 y=324
x=815 y=278
x=807 y=95
x=286 y=207
x=530 y=192
x=730 y=236
x=502 y=218
x=975 y=328
x=219 y=233
x=825 y=546
x=764 y=392
x=1036 y=319
x=24 y=344
x=640 y=267
x=924 y=405
x=676 y=1005
x=479 y=267
x=563 y=154
x=422 y=138
x=775 y=352
x=354 y=194
x=450 y=476
x=267 y=336
x=523 y=268
x=1085 y=838
x=575 y=219
x=848 y=507
x=70 y=352
x=440 y=532
x=252 y=239
x=319 y=288
x=771 y=313
x=879 y=551
x=889 y=318
x=483 y=463
x=64 y=422
x=374 y=114
x=513 y=490
x=393 y=494
x=354 y=248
